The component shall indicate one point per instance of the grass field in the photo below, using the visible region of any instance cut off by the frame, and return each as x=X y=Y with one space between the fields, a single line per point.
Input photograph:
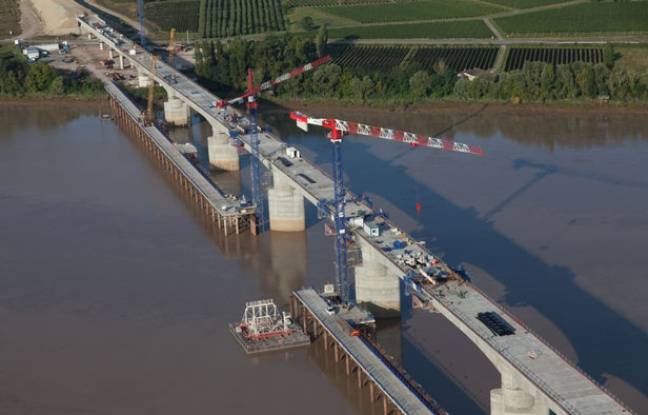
x=418 y=10
x=525 y=4
x=9 y=18
x=581 y=18
x=441 y=30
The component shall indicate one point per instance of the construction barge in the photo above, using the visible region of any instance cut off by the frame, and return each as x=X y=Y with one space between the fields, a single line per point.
x=265 y=328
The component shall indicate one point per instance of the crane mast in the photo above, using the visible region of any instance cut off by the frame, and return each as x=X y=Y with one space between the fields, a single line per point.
x=337 y=130
x=250 y=98
x=140 y=18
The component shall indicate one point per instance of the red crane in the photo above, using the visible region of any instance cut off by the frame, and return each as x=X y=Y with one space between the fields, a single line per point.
x=340 y=128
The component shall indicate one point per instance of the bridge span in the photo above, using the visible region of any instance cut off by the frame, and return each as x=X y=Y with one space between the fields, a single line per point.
x=535 y=378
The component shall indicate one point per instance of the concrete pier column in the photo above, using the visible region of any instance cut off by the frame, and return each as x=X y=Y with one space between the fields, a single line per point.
x=222 y=154
x=121 y=62
x=176 y=111
x=512 y=399
x=101 y=46
x=376 y=286
x=110 y=54
x=143 y=80
x=286 y=207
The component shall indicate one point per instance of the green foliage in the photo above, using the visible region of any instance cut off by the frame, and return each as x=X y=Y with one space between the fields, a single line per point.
x=227 y=18
x=415 y=10
x=307 y=23
x=581 y=18
x=223 y=66
x=420 y=84
x=18 y=79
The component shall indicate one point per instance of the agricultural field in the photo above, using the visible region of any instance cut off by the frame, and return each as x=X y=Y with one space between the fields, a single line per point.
x=557 y=56
x=391 y=57
x=183 y=15
x=412 y=11
x=370 y=58
x=457 y=59
x=224 y=18
x=324 y=3
x=590 y=18
x=472 y=29
x=525 y=4
x=9 y=18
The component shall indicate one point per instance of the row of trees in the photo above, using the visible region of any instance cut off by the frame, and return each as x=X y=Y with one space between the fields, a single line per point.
x=538 y=81
x=18 y=78
x=224 y=66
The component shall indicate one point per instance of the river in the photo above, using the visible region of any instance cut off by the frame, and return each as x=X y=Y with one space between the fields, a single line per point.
x=114 y=296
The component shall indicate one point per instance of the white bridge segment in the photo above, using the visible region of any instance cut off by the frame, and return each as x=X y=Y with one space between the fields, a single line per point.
x=559 y=384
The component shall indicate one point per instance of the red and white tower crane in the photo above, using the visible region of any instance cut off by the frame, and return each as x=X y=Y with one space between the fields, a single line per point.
x=250 y=98
x=337 y=130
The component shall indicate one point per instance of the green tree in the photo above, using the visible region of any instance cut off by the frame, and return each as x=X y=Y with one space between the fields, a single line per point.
x=321 y=40
x=307 y=23
x=362 y=88
x=420 y=84
x=57 y=87
x=608 y=56
x=326 y=80
x=586 y=80
x=39 y=77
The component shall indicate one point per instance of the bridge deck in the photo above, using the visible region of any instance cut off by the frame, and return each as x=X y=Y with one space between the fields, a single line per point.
x=398 y=392
x=574 y=391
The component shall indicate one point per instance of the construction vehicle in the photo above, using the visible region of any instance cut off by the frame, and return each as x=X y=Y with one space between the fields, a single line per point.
x=337 y=130
x=250 y=98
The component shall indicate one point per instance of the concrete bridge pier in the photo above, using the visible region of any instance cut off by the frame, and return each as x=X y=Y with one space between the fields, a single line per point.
x=377 y=285
x=514 y=399
x=223 y=155
x=285 y=207
x=110 y=54
x=101 y=45
x=143 y=79
x=121 y=62
x=176 y=111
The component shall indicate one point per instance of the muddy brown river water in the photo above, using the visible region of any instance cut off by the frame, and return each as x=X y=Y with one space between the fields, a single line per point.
x=114 y=296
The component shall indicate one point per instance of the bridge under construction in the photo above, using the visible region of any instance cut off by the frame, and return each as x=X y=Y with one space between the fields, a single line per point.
x=535 y=378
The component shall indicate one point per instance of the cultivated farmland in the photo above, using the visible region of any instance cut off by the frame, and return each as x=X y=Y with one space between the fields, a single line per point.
x=386 y=58
x=183 y=15
x=557 y=56
x=581 y=18
x=323 y=3
x=409 y=11
x=440 y=30
x=223 y=18
x=457 y=59
x=525 y=4
x=369 y=57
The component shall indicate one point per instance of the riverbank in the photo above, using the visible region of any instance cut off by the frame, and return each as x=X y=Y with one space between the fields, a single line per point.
x=424 y=107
